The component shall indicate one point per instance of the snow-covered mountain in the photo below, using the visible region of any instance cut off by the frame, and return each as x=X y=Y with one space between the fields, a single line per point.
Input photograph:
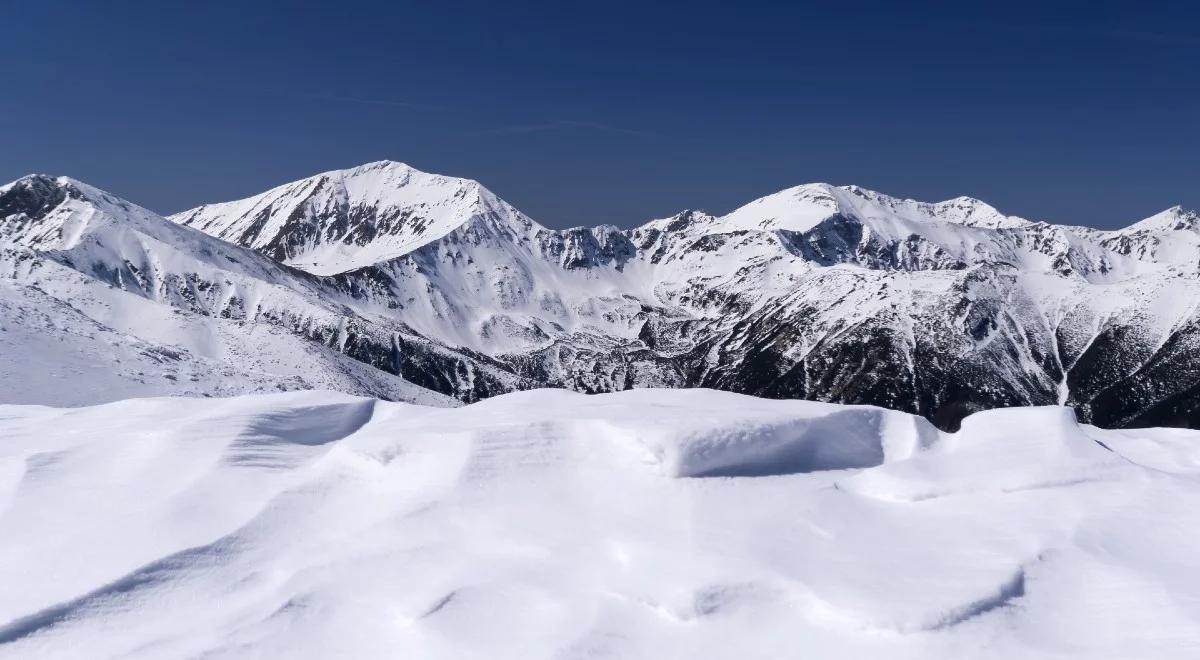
x=817 y=292
x=342 y=220
x=654 y=523
x=547 y=524
x=103 y=300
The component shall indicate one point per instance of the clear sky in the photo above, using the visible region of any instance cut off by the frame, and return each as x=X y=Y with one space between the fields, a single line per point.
x=611 y=112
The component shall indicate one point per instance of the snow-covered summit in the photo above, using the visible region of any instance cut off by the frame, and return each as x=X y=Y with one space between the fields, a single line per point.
x=44 y=212
x=89 y=227
x=341 y=220
x=1168 y=238
x=346 y=219
x=101 y=298
x=1175 y=218
x=803 y=207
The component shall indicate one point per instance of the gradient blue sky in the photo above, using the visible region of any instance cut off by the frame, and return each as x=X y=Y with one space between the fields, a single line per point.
x=1087 y=113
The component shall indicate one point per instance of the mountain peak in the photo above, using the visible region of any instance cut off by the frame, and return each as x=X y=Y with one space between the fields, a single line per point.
x=25 y=205
x=48 y=212
x=800 y=208
x=33 y=186
x=346 y=219
x=392 y=165
x=1175 y=218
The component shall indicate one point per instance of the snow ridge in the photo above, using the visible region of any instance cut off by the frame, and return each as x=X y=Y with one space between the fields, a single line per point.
x=551 y=524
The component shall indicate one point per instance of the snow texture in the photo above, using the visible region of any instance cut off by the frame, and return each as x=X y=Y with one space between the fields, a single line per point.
x=550 y=524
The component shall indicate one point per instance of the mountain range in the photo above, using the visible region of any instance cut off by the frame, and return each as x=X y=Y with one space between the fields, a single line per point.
x=386 y=281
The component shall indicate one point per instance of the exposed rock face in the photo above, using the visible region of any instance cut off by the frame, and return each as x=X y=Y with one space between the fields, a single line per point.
x=818 y=292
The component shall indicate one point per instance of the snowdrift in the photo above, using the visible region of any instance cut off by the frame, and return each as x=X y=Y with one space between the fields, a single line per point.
x=548 y=524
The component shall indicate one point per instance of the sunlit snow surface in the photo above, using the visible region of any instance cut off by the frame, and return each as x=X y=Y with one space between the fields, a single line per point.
x=546 y=524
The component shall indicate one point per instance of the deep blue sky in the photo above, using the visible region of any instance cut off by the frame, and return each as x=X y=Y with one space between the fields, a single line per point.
x=1087 y=113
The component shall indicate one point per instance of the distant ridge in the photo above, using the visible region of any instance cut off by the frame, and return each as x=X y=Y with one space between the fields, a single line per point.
x=388 y=281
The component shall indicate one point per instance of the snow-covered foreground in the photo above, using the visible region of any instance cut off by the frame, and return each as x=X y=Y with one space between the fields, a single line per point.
x=547 y=524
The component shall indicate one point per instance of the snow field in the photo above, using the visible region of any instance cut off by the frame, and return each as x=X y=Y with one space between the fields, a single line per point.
x=548 y=524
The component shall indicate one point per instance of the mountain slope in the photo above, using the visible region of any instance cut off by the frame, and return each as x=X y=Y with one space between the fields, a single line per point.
x=103 y=299
x=819 y=292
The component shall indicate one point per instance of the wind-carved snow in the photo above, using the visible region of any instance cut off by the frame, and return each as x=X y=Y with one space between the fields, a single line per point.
x=642 y=524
